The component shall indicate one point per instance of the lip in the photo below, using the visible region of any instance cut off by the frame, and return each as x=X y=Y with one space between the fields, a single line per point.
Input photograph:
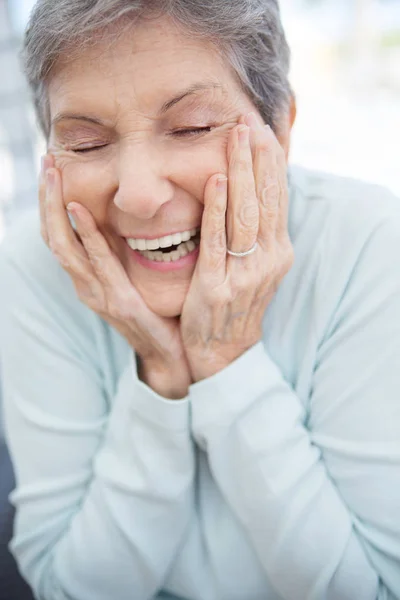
x=165 y=267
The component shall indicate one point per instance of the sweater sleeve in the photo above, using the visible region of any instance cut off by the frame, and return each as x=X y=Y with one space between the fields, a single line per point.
x=104 y=488
x=316 y=482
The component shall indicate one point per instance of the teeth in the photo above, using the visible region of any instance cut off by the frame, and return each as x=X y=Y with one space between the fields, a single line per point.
x=186 y=235
x=163 y=242
x=174 y=255
x=182 y=250
x=132 y=243
x=152 y=244
x=177 y=239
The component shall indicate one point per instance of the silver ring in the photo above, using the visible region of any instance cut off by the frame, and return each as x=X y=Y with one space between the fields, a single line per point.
x=240 y=254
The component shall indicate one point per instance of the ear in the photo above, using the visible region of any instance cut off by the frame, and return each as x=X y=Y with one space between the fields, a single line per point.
x=286 y=125
x=292 y=110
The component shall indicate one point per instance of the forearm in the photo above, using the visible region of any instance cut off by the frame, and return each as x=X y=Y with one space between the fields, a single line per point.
x=118 y=536
x=272 y=475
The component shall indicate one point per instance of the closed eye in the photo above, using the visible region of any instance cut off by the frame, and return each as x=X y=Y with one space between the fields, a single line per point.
x=88 y=149
x=191 y=132
x=178 y=133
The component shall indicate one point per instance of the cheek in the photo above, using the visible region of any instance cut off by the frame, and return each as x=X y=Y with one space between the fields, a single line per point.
x=194 y=166
x=90 y=185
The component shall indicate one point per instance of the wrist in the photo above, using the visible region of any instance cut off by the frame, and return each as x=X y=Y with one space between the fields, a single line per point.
x=168 y=382
x=206 y=364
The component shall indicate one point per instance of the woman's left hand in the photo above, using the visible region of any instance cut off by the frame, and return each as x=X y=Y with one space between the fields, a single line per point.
x=223 y=311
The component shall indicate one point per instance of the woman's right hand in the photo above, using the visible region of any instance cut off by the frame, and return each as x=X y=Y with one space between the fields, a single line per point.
x=103 y=285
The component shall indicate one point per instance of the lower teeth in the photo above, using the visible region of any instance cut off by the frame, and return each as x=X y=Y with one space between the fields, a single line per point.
x=182 y=250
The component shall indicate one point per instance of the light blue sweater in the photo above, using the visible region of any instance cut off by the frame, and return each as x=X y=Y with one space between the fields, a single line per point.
x=276 y=479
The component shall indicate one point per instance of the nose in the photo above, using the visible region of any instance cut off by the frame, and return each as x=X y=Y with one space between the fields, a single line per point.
x=143 y=186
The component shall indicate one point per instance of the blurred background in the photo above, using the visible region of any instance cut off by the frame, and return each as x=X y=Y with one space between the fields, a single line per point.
x=345 y=73
x=346 y=76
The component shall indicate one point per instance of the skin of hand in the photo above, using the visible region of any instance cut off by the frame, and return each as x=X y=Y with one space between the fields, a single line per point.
x=223 y=312
x=102 y=284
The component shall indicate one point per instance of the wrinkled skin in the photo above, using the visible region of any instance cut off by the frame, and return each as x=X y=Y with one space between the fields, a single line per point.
x=127 y=172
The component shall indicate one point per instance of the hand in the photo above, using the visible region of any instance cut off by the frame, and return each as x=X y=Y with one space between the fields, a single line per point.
x=223 y=312
x=103 y=285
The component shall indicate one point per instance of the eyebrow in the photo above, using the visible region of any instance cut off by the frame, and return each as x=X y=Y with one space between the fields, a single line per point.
x=192 y=89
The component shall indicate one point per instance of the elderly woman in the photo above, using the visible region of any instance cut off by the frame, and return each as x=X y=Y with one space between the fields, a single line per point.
x=202 y=362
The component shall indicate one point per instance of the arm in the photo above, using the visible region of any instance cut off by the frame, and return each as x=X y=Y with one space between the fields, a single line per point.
x=104 y=484
x=318 y=492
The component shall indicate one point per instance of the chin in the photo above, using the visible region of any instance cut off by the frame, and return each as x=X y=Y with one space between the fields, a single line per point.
x=166 y=305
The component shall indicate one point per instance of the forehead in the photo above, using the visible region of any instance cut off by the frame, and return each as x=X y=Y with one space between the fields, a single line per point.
x=146 y=63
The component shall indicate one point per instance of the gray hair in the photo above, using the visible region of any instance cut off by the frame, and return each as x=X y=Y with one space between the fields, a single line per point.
x=248 y=33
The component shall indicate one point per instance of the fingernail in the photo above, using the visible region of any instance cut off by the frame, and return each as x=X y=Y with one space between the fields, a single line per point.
x=221 y=182
x=71 y=207
x=71 y=215
x=251 y=120
x=243 y=134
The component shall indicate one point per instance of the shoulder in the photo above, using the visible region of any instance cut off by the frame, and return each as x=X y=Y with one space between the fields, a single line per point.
x=335 y=218
x=24 y=247
x=331 y=201
x=346 y=239
x=37 y=291
x=24 y=257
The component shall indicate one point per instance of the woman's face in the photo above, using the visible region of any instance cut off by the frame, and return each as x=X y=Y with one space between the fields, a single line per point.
x=117 y=118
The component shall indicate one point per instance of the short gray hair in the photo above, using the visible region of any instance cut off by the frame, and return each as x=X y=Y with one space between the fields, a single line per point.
x=248 y=33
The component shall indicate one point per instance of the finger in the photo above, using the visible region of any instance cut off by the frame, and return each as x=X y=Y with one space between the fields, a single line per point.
x=107 y=267
x=62 y=239
x=46 y=163
x=283 y=212
x=268 y=187
x=212 y=257
x=260 y=150
x=256 y=125
x=242 y=210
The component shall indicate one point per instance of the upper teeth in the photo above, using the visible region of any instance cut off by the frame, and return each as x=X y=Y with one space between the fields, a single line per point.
x=164 y=242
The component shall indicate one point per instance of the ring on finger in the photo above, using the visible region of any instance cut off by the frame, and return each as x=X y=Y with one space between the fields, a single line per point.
x=241 y=254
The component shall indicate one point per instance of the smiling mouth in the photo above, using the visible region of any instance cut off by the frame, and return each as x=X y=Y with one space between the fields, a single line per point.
x=178 y=247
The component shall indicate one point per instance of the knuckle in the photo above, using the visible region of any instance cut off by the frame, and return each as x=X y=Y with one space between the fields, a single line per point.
x=216 y=241
x=272 y=260
x=216 y=212
x=240 y=287
x=117 y=310
x=59 y=252
x=271 y=188
x=263 y=297
x=87 y=294
x=241 y=164
x=217 y=296
x=264 y=147
x=121 y=306
x=248 y=215
x=289 y=258
x=99 y=265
